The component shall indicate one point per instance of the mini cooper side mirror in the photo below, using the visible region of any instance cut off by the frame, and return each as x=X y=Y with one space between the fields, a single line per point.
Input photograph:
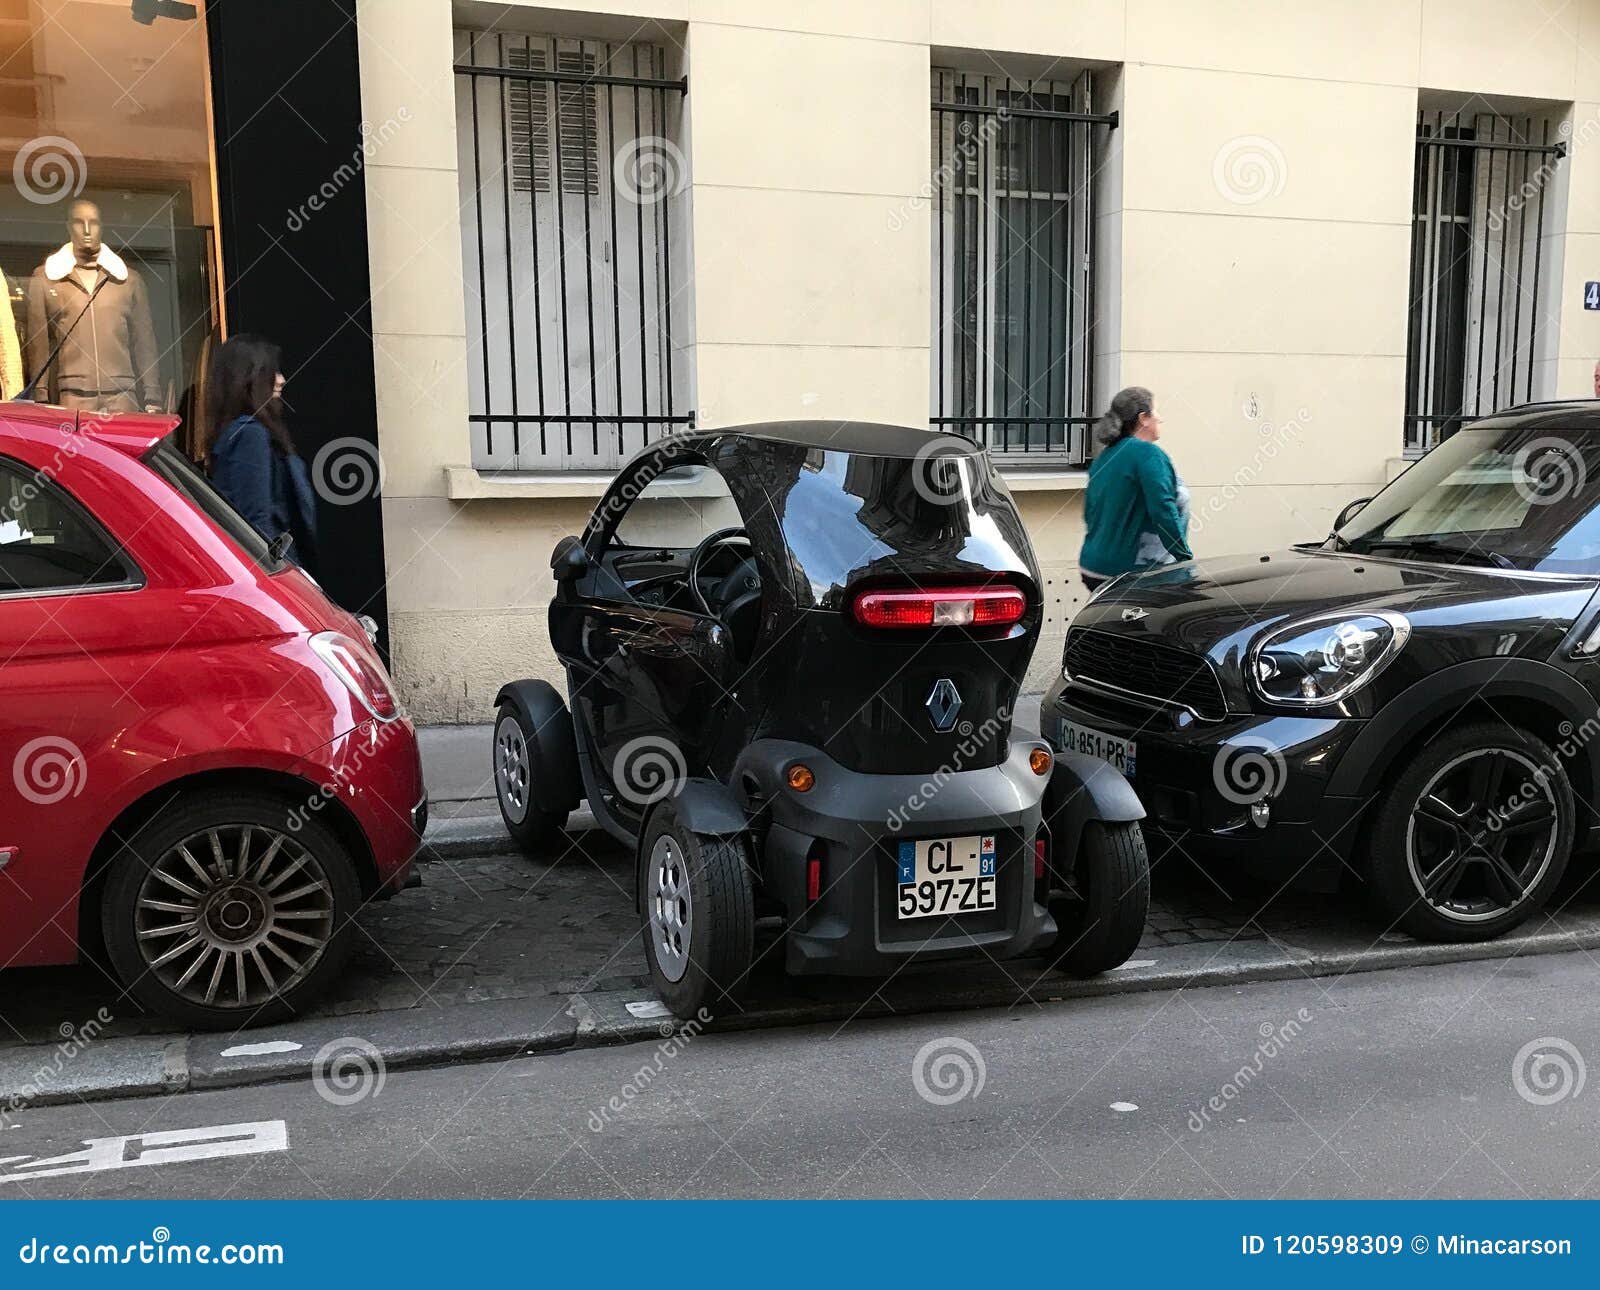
x=569 y=560
x=1348 y=513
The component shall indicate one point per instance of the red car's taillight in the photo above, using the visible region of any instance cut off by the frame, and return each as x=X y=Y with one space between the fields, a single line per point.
x=362 y=676
x=993 y=606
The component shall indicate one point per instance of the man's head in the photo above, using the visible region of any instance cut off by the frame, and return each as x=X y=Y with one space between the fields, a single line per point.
x=83 y=225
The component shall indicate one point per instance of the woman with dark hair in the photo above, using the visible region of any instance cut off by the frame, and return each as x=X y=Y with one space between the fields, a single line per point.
x=247 y=446
x=1136 y=509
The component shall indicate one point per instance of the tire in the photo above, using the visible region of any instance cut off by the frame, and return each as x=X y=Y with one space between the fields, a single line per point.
x=696 y=911
x=1101 y=928
x=283 y=877
x=1414 y=883
x=514 y=771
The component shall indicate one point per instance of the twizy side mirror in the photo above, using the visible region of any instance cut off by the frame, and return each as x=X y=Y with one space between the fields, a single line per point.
x=569 y=560
x=1349 y=512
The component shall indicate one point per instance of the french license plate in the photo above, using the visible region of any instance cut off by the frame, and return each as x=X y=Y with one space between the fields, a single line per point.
x=1121 y=753
x=946 y=876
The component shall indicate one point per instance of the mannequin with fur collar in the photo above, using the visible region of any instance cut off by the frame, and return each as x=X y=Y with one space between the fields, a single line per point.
x=109 y=361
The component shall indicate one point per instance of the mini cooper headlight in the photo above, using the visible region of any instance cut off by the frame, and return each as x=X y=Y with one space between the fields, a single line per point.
x=1310 y=664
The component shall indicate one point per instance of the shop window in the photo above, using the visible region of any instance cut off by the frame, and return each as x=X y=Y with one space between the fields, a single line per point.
x=108 y=227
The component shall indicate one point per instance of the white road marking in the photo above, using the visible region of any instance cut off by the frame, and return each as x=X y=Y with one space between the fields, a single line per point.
x=1124 y=1106
x=1134 y=963
x=262 y=1049
x=164 y=1147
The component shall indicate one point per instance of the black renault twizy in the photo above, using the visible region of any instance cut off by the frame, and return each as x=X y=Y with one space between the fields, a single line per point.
x=804 y=720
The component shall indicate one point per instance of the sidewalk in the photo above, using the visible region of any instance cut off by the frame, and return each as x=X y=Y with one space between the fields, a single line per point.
x=499 y=953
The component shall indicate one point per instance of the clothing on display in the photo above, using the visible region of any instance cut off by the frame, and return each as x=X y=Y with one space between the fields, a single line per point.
x=109 y=361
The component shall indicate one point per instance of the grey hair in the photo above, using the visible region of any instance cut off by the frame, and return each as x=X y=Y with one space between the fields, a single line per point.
x=1122 y=417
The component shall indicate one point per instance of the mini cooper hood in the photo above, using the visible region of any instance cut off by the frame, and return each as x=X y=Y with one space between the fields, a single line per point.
x=1218 y=607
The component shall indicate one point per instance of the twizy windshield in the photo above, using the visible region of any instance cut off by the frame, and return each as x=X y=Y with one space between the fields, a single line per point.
x=1519 y=497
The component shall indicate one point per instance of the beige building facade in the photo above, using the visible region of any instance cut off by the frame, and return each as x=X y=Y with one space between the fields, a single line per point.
x=1263 y=211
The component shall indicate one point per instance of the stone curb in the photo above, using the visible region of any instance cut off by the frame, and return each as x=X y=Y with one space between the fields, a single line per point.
x=351 y=1053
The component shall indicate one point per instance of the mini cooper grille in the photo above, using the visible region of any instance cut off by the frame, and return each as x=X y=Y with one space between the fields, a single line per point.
x=1160 y=672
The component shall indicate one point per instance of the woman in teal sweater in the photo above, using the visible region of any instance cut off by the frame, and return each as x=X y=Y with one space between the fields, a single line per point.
x=1137 y=509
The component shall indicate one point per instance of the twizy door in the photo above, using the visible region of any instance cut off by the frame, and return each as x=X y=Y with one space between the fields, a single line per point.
x=644 y=634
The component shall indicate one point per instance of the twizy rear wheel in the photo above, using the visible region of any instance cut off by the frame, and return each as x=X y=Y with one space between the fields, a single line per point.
x=1099 y=926
x=514 y=770
x=698 y=912
x=1474 y=835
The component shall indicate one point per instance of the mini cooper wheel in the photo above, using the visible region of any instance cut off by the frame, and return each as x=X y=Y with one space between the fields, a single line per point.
x=697 y=911
x=514 y=773
x=229 y=911
x=1099 y=926
x=1474 y=835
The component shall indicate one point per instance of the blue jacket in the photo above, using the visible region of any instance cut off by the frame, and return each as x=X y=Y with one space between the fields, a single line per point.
x=269 y=488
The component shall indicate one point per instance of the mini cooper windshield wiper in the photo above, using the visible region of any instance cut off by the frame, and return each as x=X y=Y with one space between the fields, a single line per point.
x=1426 y=546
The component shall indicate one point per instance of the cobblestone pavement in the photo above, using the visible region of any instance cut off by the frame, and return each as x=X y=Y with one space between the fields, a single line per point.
x=506 y=927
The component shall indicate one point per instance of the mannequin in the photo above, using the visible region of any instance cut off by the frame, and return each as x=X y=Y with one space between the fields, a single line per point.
x=108 y=364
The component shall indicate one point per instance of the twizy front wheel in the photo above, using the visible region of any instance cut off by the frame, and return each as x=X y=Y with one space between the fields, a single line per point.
x=1474 y=835
x=1100 y=923
x=698 y=912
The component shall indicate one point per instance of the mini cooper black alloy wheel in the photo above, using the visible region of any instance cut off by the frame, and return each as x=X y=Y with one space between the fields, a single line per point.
x=1482 y=834
x=511 y=773
x=670 y=907
x=233 y=916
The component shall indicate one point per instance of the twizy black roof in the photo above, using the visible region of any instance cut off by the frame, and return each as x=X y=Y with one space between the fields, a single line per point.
x=859 y=438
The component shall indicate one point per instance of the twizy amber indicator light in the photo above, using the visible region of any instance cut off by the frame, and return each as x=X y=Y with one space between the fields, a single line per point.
x=998 y=606
x=800 y=778
x=1039 y=760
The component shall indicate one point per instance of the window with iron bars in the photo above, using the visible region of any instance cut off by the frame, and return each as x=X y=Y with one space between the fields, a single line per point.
x=569 y=181
x=1014 y=164
x=1477 y=253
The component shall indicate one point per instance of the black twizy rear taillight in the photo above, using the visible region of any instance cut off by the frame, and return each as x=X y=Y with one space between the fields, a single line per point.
x=994 y=605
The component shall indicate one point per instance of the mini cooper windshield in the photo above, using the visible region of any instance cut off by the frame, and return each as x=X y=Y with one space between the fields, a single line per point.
x=1512 y=497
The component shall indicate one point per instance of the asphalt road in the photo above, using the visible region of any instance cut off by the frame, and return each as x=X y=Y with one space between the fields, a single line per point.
x=1391 y=1084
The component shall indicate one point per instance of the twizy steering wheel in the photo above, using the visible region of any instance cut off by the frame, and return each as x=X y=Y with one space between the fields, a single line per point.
x=722 y=537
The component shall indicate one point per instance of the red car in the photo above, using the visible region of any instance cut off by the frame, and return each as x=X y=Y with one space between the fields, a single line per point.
x=204 y=772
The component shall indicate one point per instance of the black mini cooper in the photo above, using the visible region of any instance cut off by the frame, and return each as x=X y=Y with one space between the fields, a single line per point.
x=1412 y=700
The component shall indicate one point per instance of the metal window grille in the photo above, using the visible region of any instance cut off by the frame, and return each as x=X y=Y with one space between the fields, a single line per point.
x=1013 y=264
x=568 y=179
x=1477 y=242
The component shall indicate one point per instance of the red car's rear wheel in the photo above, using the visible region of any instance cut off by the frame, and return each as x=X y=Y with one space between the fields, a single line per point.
x=230 y=910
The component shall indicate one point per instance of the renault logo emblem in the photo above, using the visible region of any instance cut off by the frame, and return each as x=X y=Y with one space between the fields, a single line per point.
x=944 y=703
x=1132 y=615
